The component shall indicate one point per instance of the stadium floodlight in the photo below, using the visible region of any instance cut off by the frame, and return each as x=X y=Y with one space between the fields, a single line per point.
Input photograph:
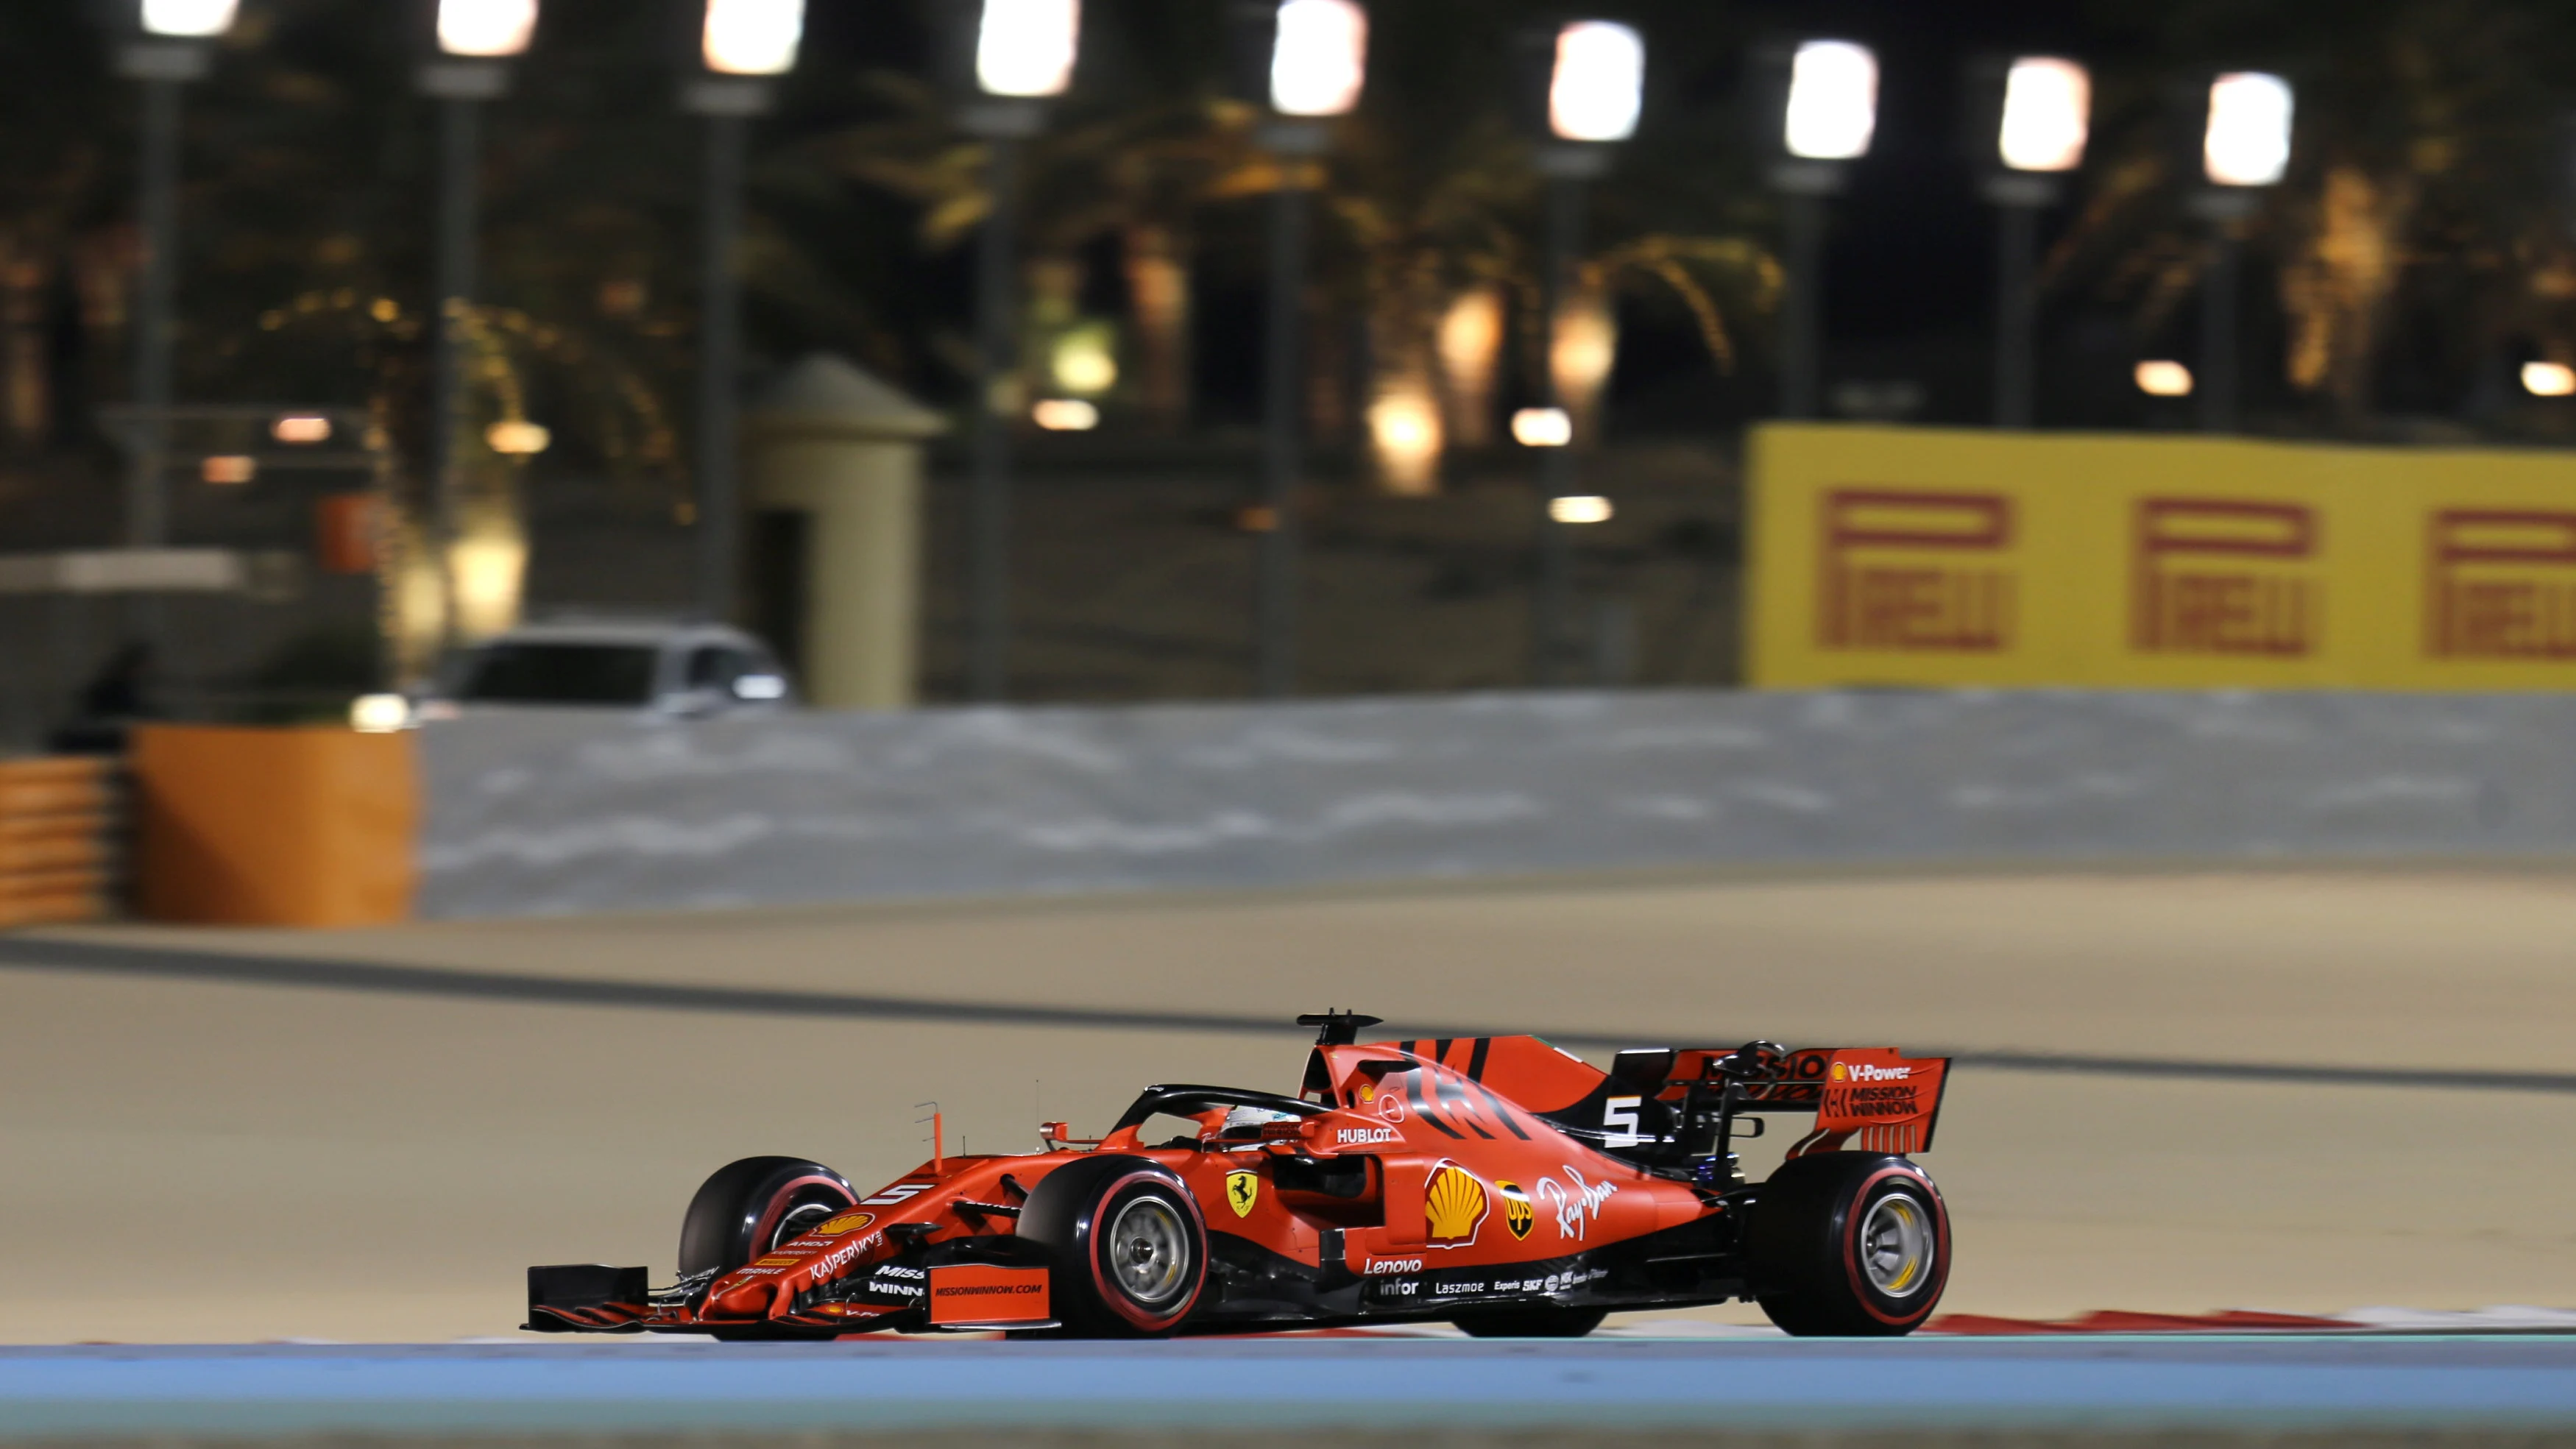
x=2048 y=106
x=1598 y=87
x=752 y=37
x=2248 y=141
x=1026 y=48
x=1833 y=101
x=486 y=29
x=189 y=19
x=1543 y=428
x=2164 y=377
x=1319 y=63
x=2549 y=379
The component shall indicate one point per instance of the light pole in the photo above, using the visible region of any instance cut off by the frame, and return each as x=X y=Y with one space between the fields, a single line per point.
x=167 y=44
x=2244 y=148
x=742 y=46
x=469 y=45
x=1022 y=55
x=1596 y=78
x=2041 y=126
x=1828 y=117
x=1308 y=61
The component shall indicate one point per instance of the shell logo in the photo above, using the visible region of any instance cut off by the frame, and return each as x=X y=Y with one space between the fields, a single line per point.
x=1840 y=1073
x=1454 y=1206
x=846 y=1223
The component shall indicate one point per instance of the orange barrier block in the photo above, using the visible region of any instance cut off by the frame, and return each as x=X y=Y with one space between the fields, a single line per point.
x=275 y=827
x=55 y=787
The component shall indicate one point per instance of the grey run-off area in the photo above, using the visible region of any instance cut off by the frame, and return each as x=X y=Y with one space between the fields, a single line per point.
x=538 y=814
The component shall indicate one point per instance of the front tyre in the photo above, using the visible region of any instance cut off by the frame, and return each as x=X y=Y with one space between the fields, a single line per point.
x=752 y=1206
x=1126 y=1242
x=1848 y=1244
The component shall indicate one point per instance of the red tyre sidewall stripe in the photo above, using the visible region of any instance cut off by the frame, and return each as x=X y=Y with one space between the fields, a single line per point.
x=1861 y=1290
x=1108 y=1292
x=776 y=1211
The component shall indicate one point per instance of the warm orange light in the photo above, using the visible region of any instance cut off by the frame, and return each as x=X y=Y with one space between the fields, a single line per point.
x=2164 y=378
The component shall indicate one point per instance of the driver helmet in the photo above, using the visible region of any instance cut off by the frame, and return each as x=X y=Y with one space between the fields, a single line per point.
x=1248 y=1121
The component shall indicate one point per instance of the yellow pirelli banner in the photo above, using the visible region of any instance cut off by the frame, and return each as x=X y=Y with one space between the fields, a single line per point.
x=1917 y=556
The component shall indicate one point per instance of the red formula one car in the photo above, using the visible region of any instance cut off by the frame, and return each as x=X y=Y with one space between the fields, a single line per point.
x=1495 y=1182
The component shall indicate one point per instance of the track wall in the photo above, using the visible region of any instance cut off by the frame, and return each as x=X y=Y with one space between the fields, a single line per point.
x=543 y=813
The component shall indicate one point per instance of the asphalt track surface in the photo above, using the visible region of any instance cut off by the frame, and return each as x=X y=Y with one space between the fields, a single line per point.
x=2276 y=1383
x=2300 y=1091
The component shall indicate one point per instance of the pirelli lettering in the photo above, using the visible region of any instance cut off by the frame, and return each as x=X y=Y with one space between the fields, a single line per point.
x=2500 y=584
x=2226 y=576
x=1915 y=572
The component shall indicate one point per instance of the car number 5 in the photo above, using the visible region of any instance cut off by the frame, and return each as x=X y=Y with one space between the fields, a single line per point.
x=1619 y=1121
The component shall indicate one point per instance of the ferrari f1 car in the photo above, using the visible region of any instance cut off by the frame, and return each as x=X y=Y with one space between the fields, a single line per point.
x=1495 y=1182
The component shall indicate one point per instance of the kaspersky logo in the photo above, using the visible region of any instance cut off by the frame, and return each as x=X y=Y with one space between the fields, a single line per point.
x=1864 y=1072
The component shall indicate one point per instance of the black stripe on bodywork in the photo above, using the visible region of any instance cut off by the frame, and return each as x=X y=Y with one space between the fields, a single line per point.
x=1476 y=1059
x=1422 y=1109
x=1454 y=1097
x=1503 y=1110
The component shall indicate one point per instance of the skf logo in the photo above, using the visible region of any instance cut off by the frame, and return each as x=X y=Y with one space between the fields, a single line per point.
x=1242 y=1190
x=1915 y=572
x=1454 y=1205
x=2501 y=585
x=2216 y=576
x=1361 y=1136
x=1518 y=1215
x=845 y=1223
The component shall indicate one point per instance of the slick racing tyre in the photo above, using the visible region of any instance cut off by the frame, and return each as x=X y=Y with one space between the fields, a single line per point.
x=1126 y=1243
x=1848 y=1243
x=1531 y=1322
x=750 y=1207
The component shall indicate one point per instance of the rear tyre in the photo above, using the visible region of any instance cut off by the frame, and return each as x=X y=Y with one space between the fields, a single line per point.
x=750 y=1207
x=1531 y=1322
x=1126 y=1245
x=1848 y=1244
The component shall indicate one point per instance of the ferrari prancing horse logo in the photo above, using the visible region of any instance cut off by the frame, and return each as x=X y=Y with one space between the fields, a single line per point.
x=1242 y=1190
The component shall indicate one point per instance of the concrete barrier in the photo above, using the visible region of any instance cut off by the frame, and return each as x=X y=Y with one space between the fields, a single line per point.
x=557 y=813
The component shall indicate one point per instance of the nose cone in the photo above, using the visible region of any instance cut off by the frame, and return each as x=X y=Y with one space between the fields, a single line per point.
x=743 y=1300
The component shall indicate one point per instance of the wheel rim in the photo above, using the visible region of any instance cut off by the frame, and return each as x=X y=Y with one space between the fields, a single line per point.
x=1148 y=1251
x=1896 y=1246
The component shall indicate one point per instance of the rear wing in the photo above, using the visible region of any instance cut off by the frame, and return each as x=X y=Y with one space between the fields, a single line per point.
x=1889 y=1101
x=1660 y=1100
